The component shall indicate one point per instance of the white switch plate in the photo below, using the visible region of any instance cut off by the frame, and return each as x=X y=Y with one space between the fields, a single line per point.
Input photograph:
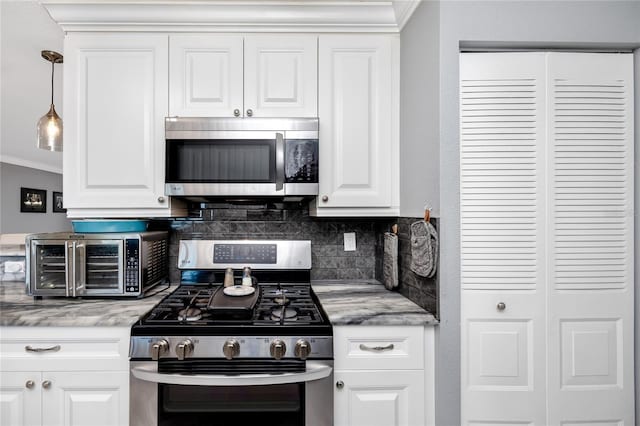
x=349 y=241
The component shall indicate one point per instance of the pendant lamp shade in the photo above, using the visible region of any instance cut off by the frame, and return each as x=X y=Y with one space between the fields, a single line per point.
x=50 y=125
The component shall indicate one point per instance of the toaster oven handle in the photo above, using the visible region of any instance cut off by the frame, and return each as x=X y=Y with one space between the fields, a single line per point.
x=149 y=373
x=69 y=274
x=279 y=161
x=80 y=262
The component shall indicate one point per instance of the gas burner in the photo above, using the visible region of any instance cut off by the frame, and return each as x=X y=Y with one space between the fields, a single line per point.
x=281 y=300
x=289 y=314
x=190 y=314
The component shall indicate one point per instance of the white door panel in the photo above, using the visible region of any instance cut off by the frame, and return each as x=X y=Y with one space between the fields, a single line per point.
x=20 y=405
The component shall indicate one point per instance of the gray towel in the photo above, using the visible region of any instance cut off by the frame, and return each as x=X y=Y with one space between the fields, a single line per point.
x=424 y=249
x=390 y=261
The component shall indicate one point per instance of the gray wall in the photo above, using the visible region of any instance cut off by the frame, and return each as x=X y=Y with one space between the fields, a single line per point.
x=558 y=24
x=12 y=178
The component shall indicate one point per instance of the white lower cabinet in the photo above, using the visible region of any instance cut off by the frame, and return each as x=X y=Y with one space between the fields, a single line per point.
x=64 y=376
x=383 y=375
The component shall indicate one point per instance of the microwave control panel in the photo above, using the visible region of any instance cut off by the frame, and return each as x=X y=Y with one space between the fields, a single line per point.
x=132 y=266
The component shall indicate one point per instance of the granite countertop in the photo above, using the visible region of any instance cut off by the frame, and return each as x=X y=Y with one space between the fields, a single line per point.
x=19 y=309
x=367 y=302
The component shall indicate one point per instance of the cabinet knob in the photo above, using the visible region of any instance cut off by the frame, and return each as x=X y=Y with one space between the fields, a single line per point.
x=161 y=199
x=339 y=384
x=325 y=198
x=236 y=112
x=46 y=384
x=249 y=112
x=30 y=384
x=501 y=306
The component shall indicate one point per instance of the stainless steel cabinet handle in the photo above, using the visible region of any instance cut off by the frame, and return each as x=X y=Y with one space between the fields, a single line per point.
x=30 y=384
x=236 y=112
x=46 y=384
x=249 y=112
x=376 y=348
x=325 y=198
x=161 y=199
x=55 y=348
x=501 y=306
x=339 y=384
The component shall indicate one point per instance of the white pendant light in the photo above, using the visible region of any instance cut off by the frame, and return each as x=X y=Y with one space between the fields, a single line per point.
x=50 y=125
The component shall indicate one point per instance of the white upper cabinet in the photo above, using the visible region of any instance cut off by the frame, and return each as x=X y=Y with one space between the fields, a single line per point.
x=252 y=76
x=358 y=109
x=115 y=95
x=205 y=75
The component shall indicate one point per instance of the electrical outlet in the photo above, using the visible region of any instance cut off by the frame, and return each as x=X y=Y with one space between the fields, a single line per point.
x=349 y=241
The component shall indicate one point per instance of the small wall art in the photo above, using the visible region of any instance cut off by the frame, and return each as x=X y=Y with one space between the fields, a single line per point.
x=33 y=200
x=58 y=207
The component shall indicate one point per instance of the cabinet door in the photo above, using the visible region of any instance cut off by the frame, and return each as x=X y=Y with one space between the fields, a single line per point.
x=20 y=405
x=281 y=76
x=358 y=112
x=115 y=105
x=205 y=75
x=379 y=398
x=86 y=399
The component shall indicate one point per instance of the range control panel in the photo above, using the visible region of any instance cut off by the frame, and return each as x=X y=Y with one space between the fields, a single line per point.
x=245 y=253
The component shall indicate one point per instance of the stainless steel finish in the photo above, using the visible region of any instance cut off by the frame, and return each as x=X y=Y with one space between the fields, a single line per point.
x=249 y=113
x=251 y=346
x=161 y=199
x=55 y=348
x=236 y=112
x=279 y=161
x=69 y=274
x=159 y=349
x=198 y=124
x=501 y=306
x=30 y=384
x=240 y=189
x=80 y=258
x=198 y=254
x=339 y=384
x=231 y=349
x=364 y=347
x=325 y=198
x=302 y=349
x=277 y=349
x=143 y=407
x=228 y=278
x=184 y=349
x=240 y=135
x=46 y=384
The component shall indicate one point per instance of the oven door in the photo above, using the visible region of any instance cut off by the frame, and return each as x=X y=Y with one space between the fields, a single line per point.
x=281 y=399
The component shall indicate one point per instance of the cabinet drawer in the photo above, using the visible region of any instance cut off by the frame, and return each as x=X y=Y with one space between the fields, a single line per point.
x=379 y=347
x=64 y=348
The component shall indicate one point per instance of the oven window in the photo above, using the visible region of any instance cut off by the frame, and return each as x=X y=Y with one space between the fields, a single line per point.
x=220 y=161
x=272 y=405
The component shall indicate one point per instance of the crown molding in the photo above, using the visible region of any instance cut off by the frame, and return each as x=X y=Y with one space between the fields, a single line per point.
x=23 y=162
x=385 y=16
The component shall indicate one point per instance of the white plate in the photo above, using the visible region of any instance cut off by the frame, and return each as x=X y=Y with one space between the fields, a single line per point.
x=239 y=290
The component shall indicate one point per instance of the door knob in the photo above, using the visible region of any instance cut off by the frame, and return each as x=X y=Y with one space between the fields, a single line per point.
x=249 y=112
x=339 y=384
x=236 y=112
x=501 y=306
x=30 y=384
x=46 y=384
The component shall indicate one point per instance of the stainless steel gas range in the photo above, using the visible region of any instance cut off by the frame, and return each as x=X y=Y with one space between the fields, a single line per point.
x=217 y=352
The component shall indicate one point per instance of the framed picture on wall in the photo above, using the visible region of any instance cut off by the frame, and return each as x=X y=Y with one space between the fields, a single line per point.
x=57 y=203
x=33 y=200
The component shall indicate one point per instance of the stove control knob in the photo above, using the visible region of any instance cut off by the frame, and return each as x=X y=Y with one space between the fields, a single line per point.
x=231 y=349
x=278 y=349
x=184 y=349
x=159 y=348
x=302 y=349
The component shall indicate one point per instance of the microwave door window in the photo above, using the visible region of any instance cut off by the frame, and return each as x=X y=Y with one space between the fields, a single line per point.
x=50 y=267
x=221 y=161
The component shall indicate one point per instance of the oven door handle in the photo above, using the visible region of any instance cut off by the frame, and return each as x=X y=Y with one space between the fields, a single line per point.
x=149 y=373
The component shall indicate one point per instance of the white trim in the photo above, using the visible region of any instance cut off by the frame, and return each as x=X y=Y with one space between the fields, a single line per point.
x=231 y=16
x=31 y=164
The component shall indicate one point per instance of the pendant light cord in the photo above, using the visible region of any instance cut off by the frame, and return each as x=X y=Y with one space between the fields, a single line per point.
x=53 y=63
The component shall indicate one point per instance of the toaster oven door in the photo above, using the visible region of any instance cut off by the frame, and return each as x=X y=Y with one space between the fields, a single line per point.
x=49 y=268
x=100 y=268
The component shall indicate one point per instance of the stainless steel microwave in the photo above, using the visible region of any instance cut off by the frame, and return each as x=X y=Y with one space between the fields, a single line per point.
x=108 y=264
x=241 y=156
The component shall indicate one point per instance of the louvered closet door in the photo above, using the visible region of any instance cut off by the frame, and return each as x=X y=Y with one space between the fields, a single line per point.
x=590 y=279
x=502 y=122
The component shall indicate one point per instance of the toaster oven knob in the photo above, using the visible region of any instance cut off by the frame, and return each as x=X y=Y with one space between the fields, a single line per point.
x=184 y=349
x=231 y=349
x=278 y=349
x=159 y=348
x=302 y=349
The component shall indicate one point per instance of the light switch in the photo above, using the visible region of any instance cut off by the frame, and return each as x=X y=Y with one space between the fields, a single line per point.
x=349 y=241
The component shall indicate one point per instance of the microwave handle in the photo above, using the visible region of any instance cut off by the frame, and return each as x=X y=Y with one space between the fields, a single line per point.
x=69 y=274
x=279 y=161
